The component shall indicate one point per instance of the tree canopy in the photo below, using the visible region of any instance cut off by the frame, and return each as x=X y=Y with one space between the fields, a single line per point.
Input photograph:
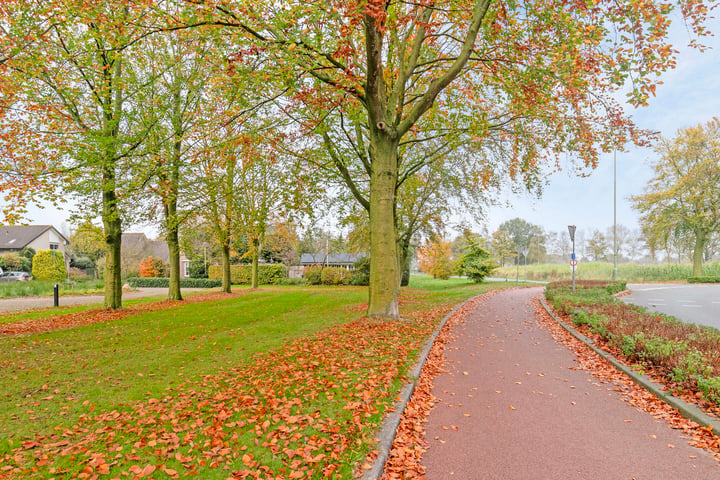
x=681 y=198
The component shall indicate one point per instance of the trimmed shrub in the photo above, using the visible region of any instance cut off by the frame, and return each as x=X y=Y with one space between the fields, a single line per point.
x=335 y=276
x=48 y=265
x=313 y=275
x=164 y=282
x=703 y=280
x=272 y=274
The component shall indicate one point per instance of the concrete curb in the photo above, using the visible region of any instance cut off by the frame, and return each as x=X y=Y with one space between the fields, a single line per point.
x=687 y=410
x=392 y=421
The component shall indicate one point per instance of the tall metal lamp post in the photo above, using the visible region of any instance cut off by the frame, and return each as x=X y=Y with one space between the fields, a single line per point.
x=573 y=261
x=614 y=275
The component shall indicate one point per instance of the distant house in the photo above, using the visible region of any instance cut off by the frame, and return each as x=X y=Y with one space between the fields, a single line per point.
x=38 y=237
x=136 y=247
x=344 y=260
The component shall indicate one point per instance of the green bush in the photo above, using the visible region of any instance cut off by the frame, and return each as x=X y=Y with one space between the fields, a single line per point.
x=164 y=282
x=476 y=263
x=360 y=276
x=335 y=276
x=15 y=262
x=617 y=287
x=313 y=275
x=272 y=274
x=48 y=265
x=703 y=280
x=197 y=268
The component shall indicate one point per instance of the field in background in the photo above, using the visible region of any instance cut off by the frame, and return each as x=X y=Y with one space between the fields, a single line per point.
x=629 y=272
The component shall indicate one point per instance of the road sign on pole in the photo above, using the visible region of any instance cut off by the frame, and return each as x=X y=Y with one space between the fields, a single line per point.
x=573 y=262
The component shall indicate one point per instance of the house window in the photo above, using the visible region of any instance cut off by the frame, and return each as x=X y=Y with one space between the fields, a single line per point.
x=186 y=269
x=54 y=246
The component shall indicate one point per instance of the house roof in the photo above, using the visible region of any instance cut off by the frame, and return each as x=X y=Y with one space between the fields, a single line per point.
x=139 y=243
x=332 y=258
x=18 y=237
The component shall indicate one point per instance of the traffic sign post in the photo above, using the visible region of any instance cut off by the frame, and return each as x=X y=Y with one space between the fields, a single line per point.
x=573 y=261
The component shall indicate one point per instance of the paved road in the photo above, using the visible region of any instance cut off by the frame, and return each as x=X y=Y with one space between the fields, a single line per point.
x=699 y=304
x=27 y=303
x=514 y=405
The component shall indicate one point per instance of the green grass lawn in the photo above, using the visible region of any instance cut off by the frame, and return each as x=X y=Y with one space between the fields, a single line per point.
x=56 y=386
x=35 y=288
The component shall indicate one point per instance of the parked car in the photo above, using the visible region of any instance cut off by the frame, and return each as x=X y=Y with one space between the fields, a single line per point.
x=15 y=277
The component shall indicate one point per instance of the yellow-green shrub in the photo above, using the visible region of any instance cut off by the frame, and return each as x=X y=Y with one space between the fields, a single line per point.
x=48 y=265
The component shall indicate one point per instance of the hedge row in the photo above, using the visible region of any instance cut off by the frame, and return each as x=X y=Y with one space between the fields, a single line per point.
x=273 y=274
x=164 y=282
x=703 y=280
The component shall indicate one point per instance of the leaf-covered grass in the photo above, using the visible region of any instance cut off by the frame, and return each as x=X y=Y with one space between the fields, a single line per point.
x=35 y=288
x=687 y=355
x=274 y=381
x=629 y=272
x=34 y=314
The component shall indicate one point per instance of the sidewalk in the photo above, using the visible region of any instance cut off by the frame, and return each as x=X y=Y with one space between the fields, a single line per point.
x=513 y=407
x=27 y=303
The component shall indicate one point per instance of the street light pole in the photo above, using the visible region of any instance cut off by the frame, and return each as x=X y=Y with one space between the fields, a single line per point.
x=614 y=275
x=571 y=230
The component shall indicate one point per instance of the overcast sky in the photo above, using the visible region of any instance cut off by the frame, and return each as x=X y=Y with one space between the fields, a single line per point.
x=690 y=95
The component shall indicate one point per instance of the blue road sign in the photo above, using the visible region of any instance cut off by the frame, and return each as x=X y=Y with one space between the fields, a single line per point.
x=572 y=256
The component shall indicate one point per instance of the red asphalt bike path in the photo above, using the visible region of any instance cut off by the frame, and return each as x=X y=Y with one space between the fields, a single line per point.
x=515 y=405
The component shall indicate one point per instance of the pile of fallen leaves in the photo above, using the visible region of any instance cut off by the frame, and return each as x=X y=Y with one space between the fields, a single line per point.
x=309 y=409
x=98 y=315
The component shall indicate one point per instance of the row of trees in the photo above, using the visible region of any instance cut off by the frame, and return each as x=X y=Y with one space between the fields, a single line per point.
x=639 y=245
x=195 y=112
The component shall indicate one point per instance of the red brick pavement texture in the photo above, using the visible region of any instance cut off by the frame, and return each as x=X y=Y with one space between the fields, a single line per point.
x=514 y=405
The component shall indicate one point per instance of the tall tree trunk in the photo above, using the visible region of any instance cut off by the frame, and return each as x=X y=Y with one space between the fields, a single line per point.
x=173 y=243
x=700 y=240
x=112 y=222
x=226 y=282
x=384 y=284
x=403 y=258
x=255 y=267
x=171 y=213
x=112 y=228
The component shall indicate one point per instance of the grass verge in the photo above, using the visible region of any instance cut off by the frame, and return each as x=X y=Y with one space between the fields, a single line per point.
x=35 y=288
x=285 y=382
x=686 y=356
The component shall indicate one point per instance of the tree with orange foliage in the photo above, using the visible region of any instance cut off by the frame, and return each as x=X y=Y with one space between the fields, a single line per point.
x=152 y=267
x=435 y=258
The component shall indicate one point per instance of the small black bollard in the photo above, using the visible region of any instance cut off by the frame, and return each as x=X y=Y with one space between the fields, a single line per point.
x=56 y=295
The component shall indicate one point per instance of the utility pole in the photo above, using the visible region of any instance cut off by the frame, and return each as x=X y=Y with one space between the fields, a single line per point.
x=615 y=252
